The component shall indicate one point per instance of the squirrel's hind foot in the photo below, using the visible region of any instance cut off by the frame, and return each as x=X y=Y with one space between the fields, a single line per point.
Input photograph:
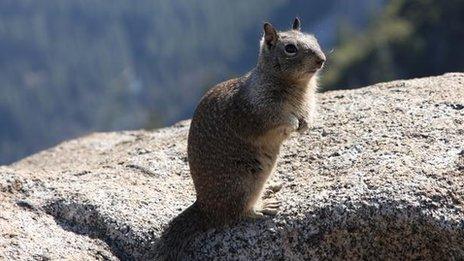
x=255 y=214
x=270 y=206
x=275 y=187
x=272 y=189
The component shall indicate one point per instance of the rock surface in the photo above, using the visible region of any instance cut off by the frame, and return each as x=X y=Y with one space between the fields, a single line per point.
x=380 y=176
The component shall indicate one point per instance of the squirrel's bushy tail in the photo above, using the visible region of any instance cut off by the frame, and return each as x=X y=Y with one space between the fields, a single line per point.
x=180 y=231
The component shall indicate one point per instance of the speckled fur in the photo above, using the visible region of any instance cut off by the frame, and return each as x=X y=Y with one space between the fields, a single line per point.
x=237 y=131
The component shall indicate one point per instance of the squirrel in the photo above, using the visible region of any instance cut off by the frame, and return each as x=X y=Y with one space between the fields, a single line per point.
x=237 y=131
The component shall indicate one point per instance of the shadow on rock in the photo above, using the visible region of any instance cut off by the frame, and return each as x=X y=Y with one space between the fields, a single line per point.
x=350 y=230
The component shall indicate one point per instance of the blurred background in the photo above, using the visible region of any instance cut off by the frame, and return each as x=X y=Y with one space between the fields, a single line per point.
x=72 y=67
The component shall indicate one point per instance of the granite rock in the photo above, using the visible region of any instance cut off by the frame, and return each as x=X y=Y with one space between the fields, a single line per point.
x=379 y=176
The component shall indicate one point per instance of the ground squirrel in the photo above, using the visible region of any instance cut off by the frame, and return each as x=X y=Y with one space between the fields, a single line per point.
x=237 y=130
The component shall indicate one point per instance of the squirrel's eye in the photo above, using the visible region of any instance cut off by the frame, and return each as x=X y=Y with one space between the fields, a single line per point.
x=290 y=49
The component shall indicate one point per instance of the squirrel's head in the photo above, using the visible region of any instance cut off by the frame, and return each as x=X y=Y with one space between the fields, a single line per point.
x=290 y=54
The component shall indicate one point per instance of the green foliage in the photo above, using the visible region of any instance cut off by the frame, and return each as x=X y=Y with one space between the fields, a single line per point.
x=408 y=39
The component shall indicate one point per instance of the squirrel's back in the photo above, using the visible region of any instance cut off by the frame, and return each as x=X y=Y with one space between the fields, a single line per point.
x=220 y=151
x=214 y=148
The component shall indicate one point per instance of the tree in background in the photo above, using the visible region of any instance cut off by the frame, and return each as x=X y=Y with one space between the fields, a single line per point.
x=410 y=38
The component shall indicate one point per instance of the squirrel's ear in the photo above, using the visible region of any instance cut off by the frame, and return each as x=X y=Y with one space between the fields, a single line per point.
x=270 y=35
x=296 y=24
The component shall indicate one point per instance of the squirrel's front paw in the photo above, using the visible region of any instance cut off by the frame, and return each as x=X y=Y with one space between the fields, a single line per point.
x=302 y=125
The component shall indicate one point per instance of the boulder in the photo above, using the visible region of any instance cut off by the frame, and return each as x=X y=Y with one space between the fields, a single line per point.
x=379 y=176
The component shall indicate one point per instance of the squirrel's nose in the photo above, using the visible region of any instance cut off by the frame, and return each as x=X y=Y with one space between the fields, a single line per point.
x=319 y=62
x=320 y=59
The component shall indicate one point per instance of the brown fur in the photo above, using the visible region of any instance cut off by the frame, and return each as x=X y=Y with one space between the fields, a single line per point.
x=238 y=128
